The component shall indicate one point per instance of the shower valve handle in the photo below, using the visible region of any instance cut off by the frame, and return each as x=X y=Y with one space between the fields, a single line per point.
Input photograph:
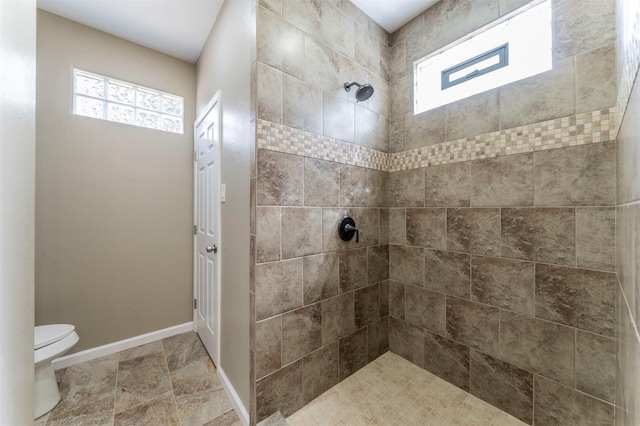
x=351 y=228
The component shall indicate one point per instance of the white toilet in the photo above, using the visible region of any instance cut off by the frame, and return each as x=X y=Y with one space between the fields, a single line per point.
x=51 y=341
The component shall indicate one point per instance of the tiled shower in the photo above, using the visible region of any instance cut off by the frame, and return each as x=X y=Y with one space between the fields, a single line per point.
x=487 y=251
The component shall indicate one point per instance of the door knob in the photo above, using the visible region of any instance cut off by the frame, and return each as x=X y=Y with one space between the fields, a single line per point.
x=213 y=248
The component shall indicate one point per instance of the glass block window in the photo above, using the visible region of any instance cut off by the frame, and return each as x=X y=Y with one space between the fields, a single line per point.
x=102 y=97
x=510 y=49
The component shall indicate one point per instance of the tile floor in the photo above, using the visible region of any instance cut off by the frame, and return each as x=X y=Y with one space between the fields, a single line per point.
x=173 y=382
x=393 y=391
x=168 y=382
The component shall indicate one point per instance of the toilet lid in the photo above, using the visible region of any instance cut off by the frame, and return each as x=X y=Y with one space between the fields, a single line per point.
x=46 y=334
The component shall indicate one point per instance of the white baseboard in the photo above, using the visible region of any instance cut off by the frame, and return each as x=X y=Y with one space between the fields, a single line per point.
x=112 y=348
x=243 y=414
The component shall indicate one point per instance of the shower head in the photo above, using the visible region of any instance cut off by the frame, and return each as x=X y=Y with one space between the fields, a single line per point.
x=364 y=91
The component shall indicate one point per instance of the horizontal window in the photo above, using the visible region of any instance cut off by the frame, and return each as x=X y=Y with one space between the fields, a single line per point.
x=510 y=49
x=105 y=98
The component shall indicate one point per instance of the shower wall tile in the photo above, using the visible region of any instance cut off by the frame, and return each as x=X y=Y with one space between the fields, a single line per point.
x=507 y=6
x=302 y=105
x=406 y=340
x=396 y=299
x=268 y=234
x=384 y=226
x=406 y=188
x=368 y=221
x=372 y=130
x=305 y=14
x=367 y=52
x=448 y=272
x=338 y=31
x=330 y=239
x=367 y=305
x=474 y=115
x=252 y=207
x=278 y=287
x=301 y=332
x=473 y=324
x=502 y=181
x=279 y=44
x=424 y=129
x=268 y=93
x=378 y=338
x=397 y=226
x=321 y=65
x=353 y=186
x=402 y=95
x=280 y=391
x=596 y=238
x=278 y=179
x=502 y=385
x=596 y=79
x=303 y=230
x=353 y=269
x=577 y=297
x=338 y=118
x=378 y=263
x=384 y=298
x=378 y=181
x=539 y=346
x=464 y=16
x=268 y=346
x=579 y=26
x=504 y=283
x=448 y=185
x=406 y=264
x=426 y=227
x=398 y=68
x=540 y=234
x=319 y=372
x=581 y=175
x=447 y=359
x=321 y=183
x=474 y=230
x=338 y=317
x=541 y=97
x=555 y=404
x=321 y=277
x=596 y=365
x=353 y=353
x=425 y=308
x=273 y=5
x=397 y=128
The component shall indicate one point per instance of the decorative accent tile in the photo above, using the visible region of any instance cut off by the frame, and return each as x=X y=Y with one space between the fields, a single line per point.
x=581 y=129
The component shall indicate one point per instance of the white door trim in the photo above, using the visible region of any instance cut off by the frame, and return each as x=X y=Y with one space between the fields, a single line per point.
x=215 y=100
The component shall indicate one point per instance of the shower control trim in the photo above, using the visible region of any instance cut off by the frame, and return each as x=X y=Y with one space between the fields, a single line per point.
x=347 y=229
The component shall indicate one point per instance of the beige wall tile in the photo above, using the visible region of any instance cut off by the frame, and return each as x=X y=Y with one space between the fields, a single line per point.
x=302 y=228
x=448 y=185
x=278 y=179
x=339 y=118
x=279 y=44
x=367 y=305
x=595 y=238
x=321 y=65
x=321 y=183
x=424 y=129
x=406 y=340
x=426 y=227
x=302 y=105
x=278 y=287
x=352 y=353
x=596 y=365
x=447 y=359
x=502 y=181
x=338 y=31
x=474 y=115
x=268 y=346
x=268 y=234
x=398 y=65
x=473 y=324
x=448 y=272
x=596 y=79
x=503 y=283
x=321 y=277
x=269 y=93
x=338 y=317
x=407 y=188
x=425 y=308
x=280 y=391
x=474 y=230
x=581 y=25
x=353 y=269
x=319 y=372
x=305 y=14
x=301 y=332
x=406 y=264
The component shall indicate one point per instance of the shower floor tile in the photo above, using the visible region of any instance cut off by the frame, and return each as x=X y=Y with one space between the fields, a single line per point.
x=168 y=382
x=393 y=391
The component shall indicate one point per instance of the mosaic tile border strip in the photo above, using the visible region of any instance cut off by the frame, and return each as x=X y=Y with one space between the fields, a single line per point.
x=277 y=137
x=581 y=129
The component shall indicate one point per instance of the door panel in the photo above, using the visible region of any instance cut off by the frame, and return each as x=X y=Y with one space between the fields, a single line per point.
x=207 y=239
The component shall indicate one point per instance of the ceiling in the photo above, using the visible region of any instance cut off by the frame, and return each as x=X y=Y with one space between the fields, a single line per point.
x=392 y=14
x=180 y=27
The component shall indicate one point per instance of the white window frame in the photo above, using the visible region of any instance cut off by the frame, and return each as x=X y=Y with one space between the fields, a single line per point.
x=106 y=102
x=433 y=82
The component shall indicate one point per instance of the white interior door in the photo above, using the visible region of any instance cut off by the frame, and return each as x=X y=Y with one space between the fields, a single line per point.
x=207 y=216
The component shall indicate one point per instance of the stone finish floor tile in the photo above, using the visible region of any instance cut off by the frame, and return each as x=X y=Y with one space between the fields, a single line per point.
x=191 y=393
x=393 y=391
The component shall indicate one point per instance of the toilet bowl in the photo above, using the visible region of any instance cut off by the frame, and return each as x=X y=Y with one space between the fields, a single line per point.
x=50 y=342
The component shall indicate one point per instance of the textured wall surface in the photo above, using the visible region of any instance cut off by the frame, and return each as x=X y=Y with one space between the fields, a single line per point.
x=628 y=216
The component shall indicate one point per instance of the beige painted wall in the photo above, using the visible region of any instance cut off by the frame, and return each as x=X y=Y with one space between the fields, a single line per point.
x=225 y=65
x=17 y=189
x=114 y=203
